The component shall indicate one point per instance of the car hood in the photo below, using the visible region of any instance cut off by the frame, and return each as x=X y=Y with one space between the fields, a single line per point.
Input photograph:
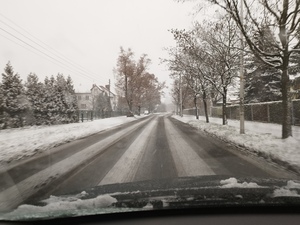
x=184 y=192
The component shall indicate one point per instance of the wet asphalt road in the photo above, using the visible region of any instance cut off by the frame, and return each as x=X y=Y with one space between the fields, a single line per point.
x=157 y=160
x=158 y=147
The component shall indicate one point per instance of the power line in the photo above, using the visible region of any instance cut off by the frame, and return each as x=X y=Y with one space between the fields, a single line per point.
x=36 y=39
x=44 y=57
x=90 y=77
x=56 y=53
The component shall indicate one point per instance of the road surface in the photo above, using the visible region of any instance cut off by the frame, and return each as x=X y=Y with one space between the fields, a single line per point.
x=155 y=147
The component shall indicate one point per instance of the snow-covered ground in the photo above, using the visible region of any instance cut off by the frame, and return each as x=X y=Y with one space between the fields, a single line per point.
x=19 y=143
x=261 y=138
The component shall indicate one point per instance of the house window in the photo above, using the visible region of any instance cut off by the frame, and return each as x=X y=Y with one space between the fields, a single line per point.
x=83 y=106
x=79 y=97
x=87 y=97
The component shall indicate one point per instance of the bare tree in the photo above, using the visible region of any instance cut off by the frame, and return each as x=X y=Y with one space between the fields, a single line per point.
x=208 y=56
x=283 y=17
x=125 y=73
x=220 y=55
x=182 y=62
x=152 y=92
x=135 y=83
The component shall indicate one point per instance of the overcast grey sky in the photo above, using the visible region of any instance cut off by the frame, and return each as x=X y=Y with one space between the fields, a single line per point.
x=86 y=35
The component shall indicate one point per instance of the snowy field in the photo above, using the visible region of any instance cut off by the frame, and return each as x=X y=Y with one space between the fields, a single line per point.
x=261 y=138
x=20 y=143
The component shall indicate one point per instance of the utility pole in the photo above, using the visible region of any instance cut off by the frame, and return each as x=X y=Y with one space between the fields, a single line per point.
x=109 y=98
x=242 y=113
x=180 y=95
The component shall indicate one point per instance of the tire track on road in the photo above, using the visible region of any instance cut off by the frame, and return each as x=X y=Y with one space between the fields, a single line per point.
x=16 y=173
x=17 y=194
x=126 y=168
x=187 y=161
x=157 y=161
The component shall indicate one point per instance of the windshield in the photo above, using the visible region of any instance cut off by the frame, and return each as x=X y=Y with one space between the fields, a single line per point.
x=117 y=106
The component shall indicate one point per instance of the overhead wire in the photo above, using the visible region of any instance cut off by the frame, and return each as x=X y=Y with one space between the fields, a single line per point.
x=57 y=53
x=70 y=70
x=45 y=54
x=80 y=70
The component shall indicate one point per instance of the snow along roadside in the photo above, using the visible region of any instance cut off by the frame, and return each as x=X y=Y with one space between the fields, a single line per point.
x=20 y=143
x=15 y=195
x=285 y=152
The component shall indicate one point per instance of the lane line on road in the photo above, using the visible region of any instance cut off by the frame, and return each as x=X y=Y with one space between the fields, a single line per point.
x=187 y=161
x=125 y=169
x=15 y=195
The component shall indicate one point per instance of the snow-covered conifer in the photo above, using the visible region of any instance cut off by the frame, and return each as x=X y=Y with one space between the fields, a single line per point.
x=13 y=103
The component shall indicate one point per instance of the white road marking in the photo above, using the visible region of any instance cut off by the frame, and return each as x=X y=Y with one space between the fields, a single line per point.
x=125 y=169
x=187 y=161
x=13 y=196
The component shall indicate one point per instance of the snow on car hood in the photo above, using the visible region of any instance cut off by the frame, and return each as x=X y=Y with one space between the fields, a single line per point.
x=205 y=191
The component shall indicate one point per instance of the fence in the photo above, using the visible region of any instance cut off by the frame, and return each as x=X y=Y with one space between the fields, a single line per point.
x=86 y=115
x=269 y=112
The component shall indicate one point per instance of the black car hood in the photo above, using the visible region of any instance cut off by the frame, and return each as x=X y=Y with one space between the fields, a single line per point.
x=184 y=192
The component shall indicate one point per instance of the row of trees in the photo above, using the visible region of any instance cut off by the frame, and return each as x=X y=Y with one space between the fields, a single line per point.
x=206 y=61
x=136 y=87
x=34 y=102
x=208 y=56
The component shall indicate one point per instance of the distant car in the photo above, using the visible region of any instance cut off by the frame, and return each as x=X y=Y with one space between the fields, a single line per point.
x=130 y=114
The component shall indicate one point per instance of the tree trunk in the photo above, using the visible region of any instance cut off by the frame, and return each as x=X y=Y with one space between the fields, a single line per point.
x=224 y=117
x=130 y=106
x=285 y=80
x=205 y=107
x=286 y=105
x=196 y=108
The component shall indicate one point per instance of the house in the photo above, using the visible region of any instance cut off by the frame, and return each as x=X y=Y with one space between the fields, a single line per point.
x=87 y=100
x=113 y=97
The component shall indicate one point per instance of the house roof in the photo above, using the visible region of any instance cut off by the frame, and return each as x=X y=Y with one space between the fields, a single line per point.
x=100 y=87
x=105 y=89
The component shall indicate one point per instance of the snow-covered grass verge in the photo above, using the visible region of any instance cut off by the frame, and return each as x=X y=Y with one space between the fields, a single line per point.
x=286 y=152
x=20 y=143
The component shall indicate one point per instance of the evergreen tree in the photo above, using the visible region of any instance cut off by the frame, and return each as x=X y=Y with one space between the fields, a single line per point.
x=13 y=103
x=263 y=83
x=101 y=104
x=49 y=102
x=35 y=95
x=60 y=99
x=66 y=100
x=71 y=101
x=296 y=88
x=2 y=119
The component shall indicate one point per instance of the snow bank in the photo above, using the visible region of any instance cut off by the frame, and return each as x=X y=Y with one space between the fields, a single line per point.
x=63 y=204
x=261 y=142
x=257 y=127
x=62 y=207
x=286 y=191
x=292 y=185
x=233 y=183
x=19 y=143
